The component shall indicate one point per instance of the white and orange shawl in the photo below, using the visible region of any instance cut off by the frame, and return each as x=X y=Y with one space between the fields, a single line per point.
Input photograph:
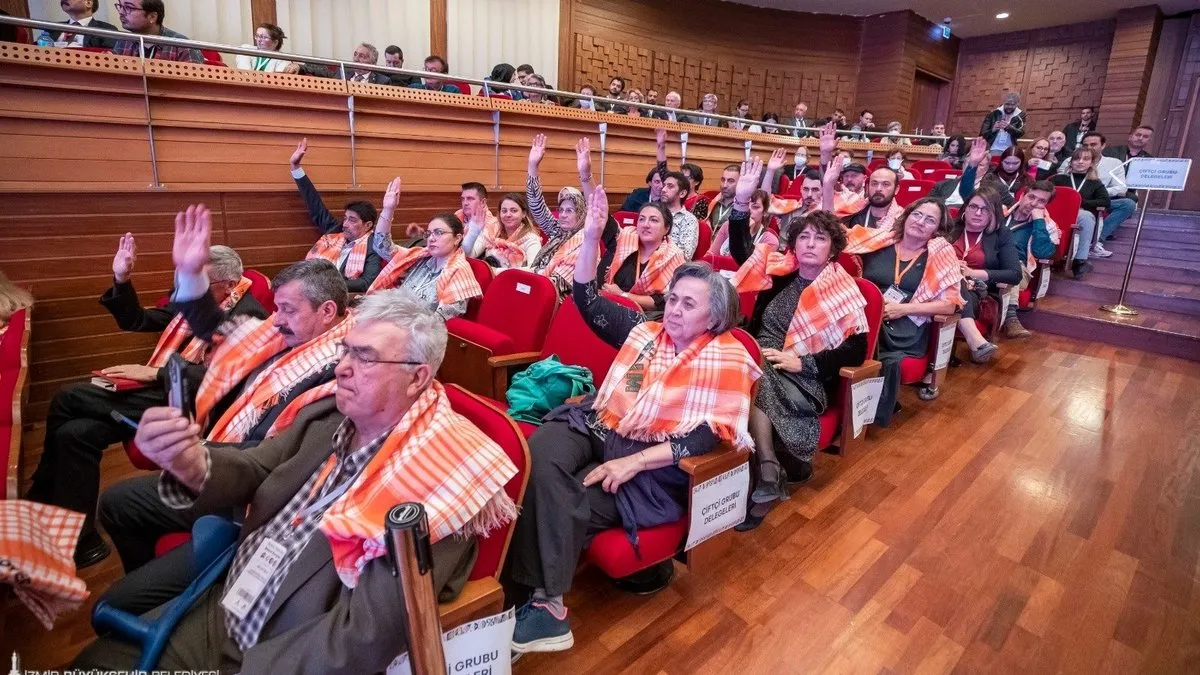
x=435 y=457
x=248 y=347
x=831 y=308
x=943 y=275
x=176 y=332
x=654 y=393
x=455 y=283
x=562 y=263
x=656 y=275
x=330 y=248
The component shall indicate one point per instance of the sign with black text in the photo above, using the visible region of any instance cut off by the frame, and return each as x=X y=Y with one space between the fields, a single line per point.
x=480 y=647
x=718 y=504
x=1157 y=173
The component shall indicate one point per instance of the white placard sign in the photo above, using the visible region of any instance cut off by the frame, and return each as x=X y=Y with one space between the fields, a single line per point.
x=1157 y=173
x=945 y=346
x=1005 y=303
x=718 y=504
x=481 y=647
x=1043 y=283
x=864 y=397
x=749 y=145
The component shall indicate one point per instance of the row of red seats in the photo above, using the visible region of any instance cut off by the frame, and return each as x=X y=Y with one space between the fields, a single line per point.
x=14 y=368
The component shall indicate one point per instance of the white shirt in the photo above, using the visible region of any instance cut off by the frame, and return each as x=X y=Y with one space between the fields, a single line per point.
x=77 y=40
x=1110 y=171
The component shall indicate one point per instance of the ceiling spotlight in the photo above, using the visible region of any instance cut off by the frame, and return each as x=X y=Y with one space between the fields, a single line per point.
x=1002 y=15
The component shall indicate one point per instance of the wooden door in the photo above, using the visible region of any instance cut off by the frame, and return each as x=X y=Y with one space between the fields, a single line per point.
x=930 y=101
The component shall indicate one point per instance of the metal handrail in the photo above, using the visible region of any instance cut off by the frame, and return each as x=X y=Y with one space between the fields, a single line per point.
x=487 y=85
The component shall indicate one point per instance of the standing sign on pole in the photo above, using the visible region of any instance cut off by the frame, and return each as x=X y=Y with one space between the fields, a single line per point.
x=1157 y=173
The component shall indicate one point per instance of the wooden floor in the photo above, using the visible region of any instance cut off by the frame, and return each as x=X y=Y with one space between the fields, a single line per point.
x=1043 y=516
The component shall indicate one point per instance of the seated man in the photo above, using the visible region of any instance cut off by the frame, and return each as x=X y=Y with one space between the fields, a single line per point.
x=642 y=196
x=1135 y=148
x=685 y=229
x=720 y=208
x=318 y=495
x=1111 y=172
x=881 y=210
x=145 y=17
x=347 y=244
x=793 y=171
x=258 y=380
x=79 y=425
x=436 y=64
x=1035 y=237
x=393 y=57
x=367 y=53
x=81 y=13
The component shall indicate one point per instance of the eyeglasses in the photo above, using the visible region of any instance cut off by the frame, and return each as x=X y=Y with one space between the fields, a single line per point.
x=977 y=208
x=437 y=234
x=924 y=218
x=359 y=358
x=126 y=9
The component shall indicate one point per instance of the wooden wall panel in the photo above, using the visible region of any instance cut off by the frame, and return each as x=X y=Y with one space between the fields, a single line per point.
x=732 y=50
x=894 y=47
x=1135 y=45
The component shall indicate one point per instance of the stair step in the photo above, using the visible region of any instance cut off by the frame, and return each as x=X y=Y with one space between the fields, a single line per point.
x=1149 y=270
x=1165 y=250
x=1106 y=288
x=1191 y=238
x=1160 y=332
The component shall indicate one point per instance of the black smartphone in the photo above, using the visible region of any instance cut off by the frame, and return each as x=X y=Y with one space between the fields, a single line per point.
x=177 y=389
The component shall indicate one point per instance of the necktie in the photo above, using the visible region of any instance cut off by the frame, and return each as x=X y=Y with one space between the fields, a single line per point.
x=66 y=36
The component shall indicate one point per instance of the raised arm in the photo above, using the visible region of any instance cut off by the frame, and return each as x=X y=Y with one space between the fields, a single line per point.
x=773 y=166
x=833 y=170
x=971 y=166
x=660 y=146
x=317 y=211
x=122 y=300
x=828 y=143
x=583 y=162
x=382 y=239
x=740 y=244
x=608 y=320
x=533 y=190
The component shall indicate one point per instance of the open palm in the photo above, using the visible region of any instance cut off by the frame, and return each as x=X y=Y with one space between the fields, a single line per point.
x=193 y=231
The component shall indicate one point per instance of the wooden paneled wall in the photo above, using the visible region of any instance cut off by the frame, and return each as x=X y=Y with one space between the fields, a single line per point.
x=894 y=47
x=1135 y=44
x=771 y=58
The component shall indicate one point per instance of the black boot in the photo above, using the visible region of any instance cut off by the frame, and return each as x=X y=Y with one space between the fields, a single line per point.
x=1079 y=268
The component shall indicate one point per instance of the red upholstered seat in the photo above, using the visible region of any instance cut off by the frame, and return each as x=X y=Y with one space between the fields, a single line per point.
x=260 y=288
x=520 y=293
x=877 y=163
x=939 y=175
x=464 y=87
x=212 y=57
x=1064 y=210
x=10 y=341
x=703 y=241
x=483 y=274
x=625 y=218
x=853 y=265
x=909 y=191
x=912 y=369
x=924 y=169
x=575 y=343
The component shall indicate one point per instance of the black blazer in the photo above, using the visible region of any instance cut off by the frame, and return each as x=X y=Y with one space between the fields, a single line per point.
x=1071 y=131
x=90 y=40
x=1092 y=191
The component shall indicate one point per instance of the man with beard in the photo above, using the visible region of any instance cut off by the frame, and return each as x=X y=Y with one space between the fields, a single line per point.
x=81 y=13
x=881 y=210
x=1035 y=237
x=722 y=206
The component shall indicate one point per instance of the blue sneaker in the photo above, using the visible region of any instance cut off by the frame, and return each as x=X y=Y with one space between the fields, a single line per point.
x=539 y=630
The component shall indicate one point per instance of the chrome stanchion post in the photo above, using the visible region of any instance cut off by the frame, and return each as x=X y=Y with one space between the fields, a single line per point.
x=1120 y=309
x=603 y=148
x=411 y=553
x=496 y=148
x=155 y=183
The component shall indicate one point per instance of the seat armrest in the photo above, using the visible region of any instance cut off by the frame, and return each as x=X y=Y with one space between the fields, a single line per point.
x=869 y=368
x=510 y=360
x=946 y=318
x=709 y=465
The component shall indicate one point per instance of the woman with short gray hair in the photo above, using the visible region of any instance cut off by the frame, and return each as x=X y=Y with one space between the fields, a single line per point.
x=676 y=388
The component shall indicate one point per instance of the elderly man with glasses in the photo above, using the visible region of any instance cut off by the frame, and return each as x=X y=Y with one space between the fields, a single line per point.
x=145 y=17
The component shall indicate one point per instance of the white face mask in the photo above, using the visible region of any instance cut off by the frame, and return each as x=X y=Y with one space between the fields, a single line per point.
x=845 y=163
x=895 y=164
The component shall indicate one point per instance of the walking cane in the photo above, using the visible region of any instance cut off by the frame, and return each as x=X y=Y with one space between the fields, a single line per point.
x=409 y=548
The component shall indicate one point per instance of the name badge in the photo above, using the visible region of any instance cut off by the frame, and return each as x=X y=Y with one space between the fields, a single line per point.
x=895 y=295
x=253 y=579
x=1043 y=165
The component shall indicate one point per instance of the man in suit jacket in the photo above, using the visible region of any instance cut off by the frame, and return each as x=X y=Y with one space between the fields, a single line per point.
x=316 y=613
x=79 y=425
x=799 y=119
x=1075 y=130
x=81 y=13
x=312 y=301
x=708 y=104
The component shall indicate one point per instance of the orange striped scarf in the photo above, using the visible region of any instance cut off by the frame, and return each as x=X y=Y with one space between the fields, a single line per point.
x=652 y=393
x=248 y=347
x=942 y=277
x=656 y=275
x=178 y=330
x=36 y=543
x=510 y=250
x=562 y=263
x=330 y=248
x=455 y=283
x=435 y=457
x=830 y=310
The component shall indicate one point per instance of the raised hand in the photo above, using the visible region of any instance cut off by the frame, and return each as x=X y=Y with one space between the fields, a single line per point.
x=537 y=151
x=597 y=214
x=777 y=158
x=583 y=157
x=660 y=137
x=132 y=371
x=125 y=258
x=298 y=155
x=392 y=196
x=979 y=152
x=828 y=139
x=193 y=229
x=748 y=182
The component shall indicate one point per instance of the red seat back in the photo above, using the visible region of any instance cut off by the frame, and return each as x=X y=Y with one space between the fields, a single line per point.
x=703 y=241
x=494 y=94
x=877 y=163
x=520 y=293
x=499 y=427
x=749 y=343
x=575 y=343
x=1063 y=210
x=625 y=218
x=909 y=191
x=874 y=311
x=953 y=210
x=690 y=202
x=925 y=168
x=260 y=288
x=483 y=275
x=462 y=86
x=10 y=342
x=851 y=263
x=212 y=57
x=940 y=175
x=785 y=185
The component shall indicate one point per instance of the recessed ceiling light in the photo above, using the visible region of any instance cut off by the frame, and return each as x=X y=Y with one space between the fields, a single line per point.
x=1002 y=15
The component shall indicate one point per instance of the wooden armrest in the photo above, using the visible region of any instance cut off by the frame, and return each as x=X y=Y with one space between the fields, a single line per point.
x=946 y=318
x=510 y=360
x=869 y=368
x=478 y=599
x=709 y=465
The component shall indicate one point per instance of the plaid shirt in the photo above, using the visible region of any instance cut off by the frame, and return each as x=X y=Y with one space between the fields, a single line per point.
x=163 y=52
x=288 y=527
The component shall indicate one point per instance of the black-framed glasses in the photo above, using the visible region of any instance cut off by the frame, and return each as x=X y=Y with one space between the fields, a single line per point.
x=126 y=9
x=358 y=357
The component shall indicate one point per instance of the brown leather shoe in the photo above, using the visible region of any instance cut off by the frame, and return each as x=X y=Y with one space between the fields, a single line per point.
x=1013 y=330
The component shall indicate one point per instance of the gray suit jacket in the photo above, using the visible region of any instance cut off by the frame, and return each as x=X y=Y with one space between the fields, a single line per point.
x=316 y=624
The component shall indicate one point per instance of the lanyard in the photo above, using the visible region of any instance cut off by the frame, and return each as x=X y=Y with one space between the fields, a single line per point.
x=966 y=247
x=1077 y=187
x=260 y=62
x=1009 y=183
x=722 y=212
x=323 y=503
x=900 y=274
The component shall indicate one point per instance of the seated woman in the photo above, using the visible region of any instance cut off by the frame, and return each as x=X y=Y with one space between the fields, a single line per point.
x=613 y=461
x=564 y=234
x=1080 y=174
x=810 y=320
x=987 y=257
x=1041 y=163
x=1012 y=173
x=634 y=96
x=438 y=273
x=641 y=265
x=267 y=38
x=509 y=241
x=955 y=150
x=502 y=74
x=894 y=129
x=919 y=275
x=759 y=233
x=895 y=162
x=537 y=96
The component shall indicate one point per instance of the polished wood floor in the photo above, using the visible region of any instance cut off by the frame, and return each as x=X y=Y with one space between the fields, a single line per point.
x=1043 y=516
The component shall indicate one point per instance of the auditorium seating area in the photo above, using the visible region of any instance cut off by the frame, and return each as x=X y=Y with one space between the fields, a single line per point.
x=941 y=541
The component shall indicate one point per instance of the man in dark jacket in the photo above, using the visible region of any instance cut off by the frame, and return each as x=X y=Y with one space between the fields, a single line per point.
x=1075 y=130
x=81 y=13
x=1139 y=140
x=79 y=424
x=1004 y=125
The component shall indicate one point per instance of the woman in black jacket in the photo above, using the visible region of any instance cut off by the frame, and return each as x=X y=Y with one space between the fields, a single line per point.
x=988 y=258
x=1081 y=176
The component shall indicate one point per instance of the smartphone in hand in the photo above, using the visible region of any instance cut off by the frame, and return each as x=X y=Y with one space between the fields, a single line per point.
x=177 y=389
